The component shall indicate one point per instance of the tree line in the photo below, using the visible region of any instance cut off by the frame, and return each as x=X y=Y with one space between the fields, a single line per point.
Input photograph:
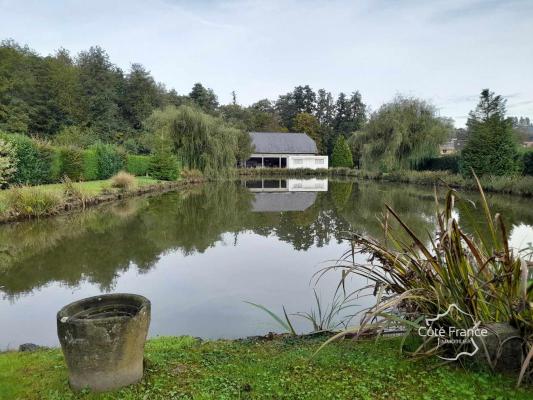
x=85 y=99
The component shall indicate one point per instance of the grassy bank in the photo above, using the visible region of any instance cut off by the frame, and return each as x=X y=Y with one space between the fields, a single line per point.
x=38 y=201
x=184 y=368
x=519 y=185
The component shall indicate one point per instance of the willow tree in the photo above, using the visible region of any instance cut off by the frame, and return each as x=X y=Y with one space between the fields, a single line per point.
x=400 y=135
x=201 y=141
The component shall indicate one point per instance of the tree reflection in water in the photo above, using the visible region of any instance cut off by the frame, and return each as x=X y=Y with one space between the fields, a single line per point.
x=98 y=244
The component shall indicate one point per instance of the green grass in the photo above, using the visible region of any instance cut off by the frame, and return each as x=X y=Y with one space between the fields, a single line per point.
x=89 y=189
x=184 y=368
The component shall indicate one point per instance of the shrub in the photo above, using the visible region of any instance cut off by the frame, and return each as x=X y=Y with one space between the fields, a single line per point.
x=27 y=156
x=477 y=273
x=46 y=164
x=8 y=165
x=137 y=165
x=443 y=163
x=527 y=161
x=75 y=136
x=192 y=175
x=33 y=201
x=342 y=155
x=74 y=191
x=71 y=163
x=123 y=181
x=164 y=166
x=110 y=160
x=90 y=165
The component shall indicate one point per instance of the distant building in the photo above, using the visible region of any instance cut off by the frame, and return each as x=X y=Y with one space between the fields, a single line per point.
x=528 y=136
x=449 y=147
x=284 y=150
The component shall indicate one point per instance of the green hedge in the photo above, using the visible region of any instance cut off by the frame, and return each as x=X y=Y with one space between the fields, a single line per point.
x=527 y=160
x=72 y=163
x=110 y=160
x=442 y=163
x=137 y=165
x=36 y=161
x=90 y=165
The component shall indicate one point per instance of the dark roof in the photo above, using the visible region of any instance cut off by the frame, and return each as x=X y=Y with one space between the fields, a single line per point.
x=284 y=201
x=278 y=142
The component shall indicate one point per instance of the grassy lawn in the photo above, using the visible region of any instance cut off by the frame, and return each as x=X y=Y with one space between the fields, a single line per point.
x=90 y=188
x=184 y=368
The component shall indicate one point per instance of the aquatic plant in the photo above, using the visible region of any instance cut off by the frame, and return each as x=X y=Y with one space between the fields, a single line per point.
x=480 y=273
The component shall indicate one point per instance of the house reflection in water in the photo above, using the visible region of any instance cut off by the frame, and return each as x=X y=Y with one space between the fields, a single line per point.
x=276 y=195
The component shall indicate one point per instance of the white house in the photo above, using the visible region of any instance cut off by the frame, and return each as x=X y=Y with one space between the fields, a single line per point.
x=284 y=150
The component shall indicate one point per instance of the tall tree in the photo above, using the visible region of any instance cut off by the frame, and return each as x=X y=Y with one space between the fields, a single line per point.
x=305 y=122
x=492 y=148
x=341 y=156
x=401 y=135
x=140 y=96
x=100 y=82
x=204 y=98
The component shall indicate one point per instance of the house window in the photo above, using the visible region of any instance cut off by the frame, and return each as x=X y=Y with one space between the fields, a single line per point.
x=298 y=161
x=319 y=161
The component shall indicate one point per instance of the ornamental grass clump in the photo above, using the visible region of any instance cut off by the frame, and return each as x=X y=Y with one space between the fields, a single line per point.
x=123 y=181
x=416 y=278
x=33 y=201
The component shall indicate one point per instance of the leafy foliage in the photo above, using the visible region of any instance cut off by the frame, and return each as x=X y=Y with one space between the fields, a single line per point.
x=527 y=159
x=491 y=148
x=442 y=163
x=419 y=277
x=199 y=140
x=137 y=165
x=110 y=160
x=8 y=163
x=400 y=135
x=342 y=156
x=72 y=163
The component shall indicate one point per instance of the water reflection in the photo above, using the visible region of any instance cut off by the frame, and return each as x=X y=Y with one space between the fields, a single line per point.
x=218 y=244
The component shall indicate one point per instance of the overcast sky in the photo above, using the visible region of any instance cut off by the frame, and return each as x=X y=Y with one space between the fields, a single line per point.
x=443 y=51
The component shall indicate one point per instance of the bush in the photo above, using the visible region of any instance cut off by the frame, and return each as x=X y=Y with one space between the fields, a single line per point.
x=137 y=165
x=46 y=164
x=443 y=163
x=33 y=201
x=164 y=166
x=71 y=161
x=110 y=160
x=527 y=161
x=75 y=136
x=27 y=156
x=123 y=181
x=342 y=155
x=90 y=165
x=192 y=175
x=8 y=165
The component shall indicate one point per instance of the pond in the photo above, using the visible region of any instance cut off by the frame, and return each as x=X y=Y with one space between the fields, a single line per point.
x=200 y=253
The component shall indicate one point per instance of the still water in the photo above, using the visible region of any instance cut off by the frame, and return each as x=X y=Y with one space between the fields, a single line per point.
x=198 y=254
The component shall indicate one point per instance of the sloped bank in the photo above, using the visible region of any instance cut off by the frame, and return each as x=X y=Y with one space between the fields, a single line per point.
x=274 y=367
x=72 y=203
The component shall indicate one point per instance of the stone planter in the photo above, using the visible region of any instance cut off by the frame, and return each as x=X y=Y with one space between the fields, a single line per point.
x=501 y=349
x=103 y=338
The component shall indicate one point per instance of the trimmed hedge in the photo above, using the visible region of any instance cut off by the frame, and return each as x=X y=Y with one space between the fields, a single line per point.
x=443 y=163
x=90 y=165
x=137 y=165
x=527 y=160
x=110 y=160
x=71 y=163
